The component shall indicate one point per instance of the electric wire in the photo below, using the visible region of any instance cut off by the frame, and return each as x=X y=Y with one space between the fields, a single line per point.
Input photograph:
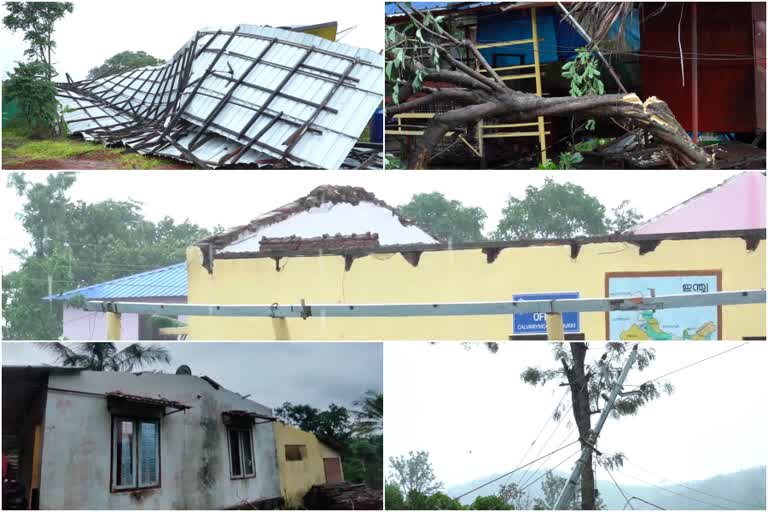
x=691 y=498
x=658 y=475
x=516 y=469
x=688 y=365
x=627 y=501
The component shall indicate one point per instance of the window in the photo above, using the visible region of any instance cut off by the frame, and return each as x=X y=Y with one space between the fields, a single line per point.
x=241 y=453
x=135 y=453
x=295 y=452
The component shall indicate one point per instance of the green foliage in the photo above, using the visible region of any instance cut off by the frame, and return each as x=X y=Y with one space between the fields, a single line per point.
x=103 y=357
x=489 y=503
x=557 y=210
x=35 y=95
x=76 y=244
x=393 y=162
x=584 y=75
x=567 y=161
x=409 y=50
x=393 y=498
x=36 y=20
x=369 y=417
x=552 y=211
x=414 y=473
x=122 y=62
x=447 y=219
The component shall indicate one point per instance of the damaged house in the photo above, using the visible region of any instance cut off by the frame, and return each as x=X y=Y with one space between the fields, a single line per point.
x=243 y=95
x=78 y=439
x=705 y=61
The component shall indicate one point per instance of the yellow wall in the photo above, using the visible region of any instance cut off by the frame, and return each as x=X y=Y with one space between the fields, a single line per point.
x=296 y=477
x=455 y=276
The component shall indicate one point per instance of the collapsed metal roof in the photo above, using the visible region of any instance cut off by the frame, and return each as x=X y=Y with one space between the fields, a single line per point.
x=246 y=94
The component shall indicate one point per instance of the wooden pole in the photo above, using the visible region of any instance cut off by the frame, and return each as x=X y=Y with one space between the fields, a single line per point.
x=694 y=74
x=114 y=324
x=537 y=69
x=555 y=328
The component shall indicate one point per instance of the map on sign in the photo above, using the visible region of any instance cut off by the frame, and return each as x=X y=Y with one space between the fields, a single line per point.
x=696 y=323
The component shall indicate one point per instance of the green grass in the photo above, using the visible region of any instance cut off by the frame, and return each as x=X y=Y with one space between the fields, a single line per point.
x=18 y=148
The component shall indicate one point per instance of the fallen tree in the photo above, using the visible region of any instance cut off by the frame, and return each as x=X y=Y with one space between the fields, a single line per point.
x=424 y=51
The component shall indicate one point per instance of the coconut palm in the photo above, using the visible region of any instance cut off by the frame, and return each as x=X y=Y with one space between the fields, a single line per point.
x=370 y=416
x=105 y=357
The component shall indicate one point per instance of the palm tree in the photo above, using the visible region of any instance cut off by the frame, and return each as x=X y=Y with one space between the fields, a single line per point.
x=370 y=416
x=105 y=357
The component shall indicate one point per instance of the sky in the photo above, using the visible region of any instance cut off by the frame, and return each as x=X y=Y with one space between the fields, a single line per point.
x=469 y=409
x=301 y=373
x=234 y=197
x=97 y=30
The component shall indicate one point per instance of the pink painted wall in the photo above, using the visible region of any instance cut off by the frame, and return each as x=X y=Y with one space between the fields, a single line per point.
x=738 y=203
x=82 y=325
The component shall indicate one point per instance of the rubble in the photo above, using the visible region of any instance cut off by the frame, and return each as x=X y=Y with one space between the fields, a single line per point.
x=343 y=496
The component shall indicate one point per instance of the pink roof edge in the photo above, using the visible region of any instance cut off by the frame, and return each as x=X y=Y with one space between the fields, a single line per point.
x=736 y=203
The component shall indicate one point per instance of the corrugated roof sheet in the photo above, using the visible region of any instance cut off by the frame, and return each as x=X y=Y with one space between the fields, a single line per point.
x=162 y=282
x=245 y=94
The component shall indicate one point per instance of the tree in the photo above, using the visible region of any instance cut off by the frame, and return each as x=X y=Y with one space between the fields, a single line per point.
x=551 y=487
x=446 y=219
x=36 y=96
x=36 y=20
x=123 y=61
x=424 y=50
x=414 y=473
x=588 y=386
x=624 y=217
x=104 y=357
x=333 y=423
x=490 y=503
x=74 y=244
x=393 y=497
x=369 y=418
x=513 y=495
x=557 y=210
x=552 y=211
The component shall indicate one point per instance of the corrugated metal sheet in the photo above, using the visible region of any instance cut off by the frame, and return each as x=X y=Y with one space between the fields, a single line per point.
x=242 y=87
x=162 y=282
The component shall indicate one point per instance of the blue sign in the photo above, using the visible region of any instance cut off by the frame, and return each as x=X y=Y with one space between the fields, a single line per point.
x=536 y=323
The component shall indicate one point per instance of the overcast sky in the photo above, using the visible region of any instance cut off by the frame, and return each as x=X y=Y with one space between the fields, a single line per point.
x=97 y=30
x=272 y=373
x=472 y=413
x=231 y=198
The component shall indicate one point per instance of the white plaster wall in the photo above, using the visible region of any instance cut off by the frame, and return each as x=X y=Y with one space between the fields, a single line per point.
x=194 y=469
x=332 y=219
x=82 y=325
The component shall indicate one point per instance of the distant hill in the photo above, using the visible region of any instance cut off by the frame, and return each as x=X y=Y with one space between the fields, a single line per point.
x=745 y=488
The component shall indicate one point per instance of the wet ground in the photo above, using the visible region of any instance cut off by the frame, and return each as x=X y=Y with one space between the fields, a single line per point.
x=93 y=160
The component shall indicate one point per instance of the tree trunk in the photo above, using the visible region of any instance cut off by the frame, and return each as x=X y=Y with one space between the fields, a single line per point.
x=581 y=412
x=653 y=115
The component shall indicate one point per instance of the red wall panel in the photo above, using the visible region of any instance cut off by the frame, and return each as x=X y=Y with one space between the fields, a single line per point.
x=726 y=87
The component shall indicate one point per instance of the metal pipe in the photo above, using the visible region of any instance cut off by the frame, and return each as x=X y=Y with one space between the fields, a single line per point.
x=694 y=73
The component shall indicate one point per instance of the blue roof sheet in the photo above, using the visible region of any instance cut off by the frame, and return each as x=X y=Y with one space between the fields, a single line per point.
x=390 y=9
x=162 y=282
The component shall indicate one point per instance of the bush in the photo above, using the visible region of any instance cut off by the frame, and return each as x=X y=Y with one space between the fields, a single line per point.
x=36 y=96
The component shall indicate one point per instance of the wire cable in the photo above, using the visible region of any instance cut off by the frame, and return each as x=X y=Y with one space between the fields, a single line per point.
x=627 y=500
x=516 y=469
x=676 y=493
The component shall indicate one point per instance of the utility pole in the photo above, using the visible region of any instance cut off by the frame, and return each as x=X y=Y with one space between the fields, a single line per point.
x=566 y=495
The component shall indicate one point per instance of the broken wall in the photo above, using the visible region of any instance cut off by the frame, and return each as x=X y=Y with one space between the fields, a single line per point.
x=456 y=276
x=194 y=457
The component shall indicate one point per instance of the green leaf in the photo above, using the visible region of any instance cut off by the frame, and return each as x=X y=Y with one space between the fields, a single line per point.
x=388 y=70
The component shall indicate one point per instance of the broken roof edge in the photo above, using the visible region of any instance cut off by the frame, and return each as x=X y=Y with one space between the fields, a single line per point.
x=491 y=246
x=322 y=194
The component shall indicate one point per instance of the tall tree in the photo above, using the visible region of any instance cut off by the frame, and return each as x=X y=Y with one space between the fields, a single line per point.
x=551 y=487
x=557 y=210
x=122 y=62
x=104 y=357
x=423 y=54
x=369 y=417
x=414 y=473
x=36 y=20
x=447 y=219
x=588 y=384
x=73 y=244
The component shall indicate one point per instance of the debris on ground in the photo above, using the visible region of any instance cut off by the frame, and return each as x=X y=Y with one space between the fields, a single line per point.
x=248 y=95
x=343 y=496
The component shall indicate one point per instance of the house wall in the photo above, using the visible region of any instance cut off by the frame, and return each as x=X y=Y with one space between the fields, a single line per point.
x=82 y=325
x=297 y=477
x=455 y=276
x=726 y=87
x=195 y=471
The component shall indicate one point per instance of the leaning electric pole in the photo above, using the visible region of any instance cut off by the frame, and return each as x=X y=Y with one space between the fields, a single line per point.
x=566 y=495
